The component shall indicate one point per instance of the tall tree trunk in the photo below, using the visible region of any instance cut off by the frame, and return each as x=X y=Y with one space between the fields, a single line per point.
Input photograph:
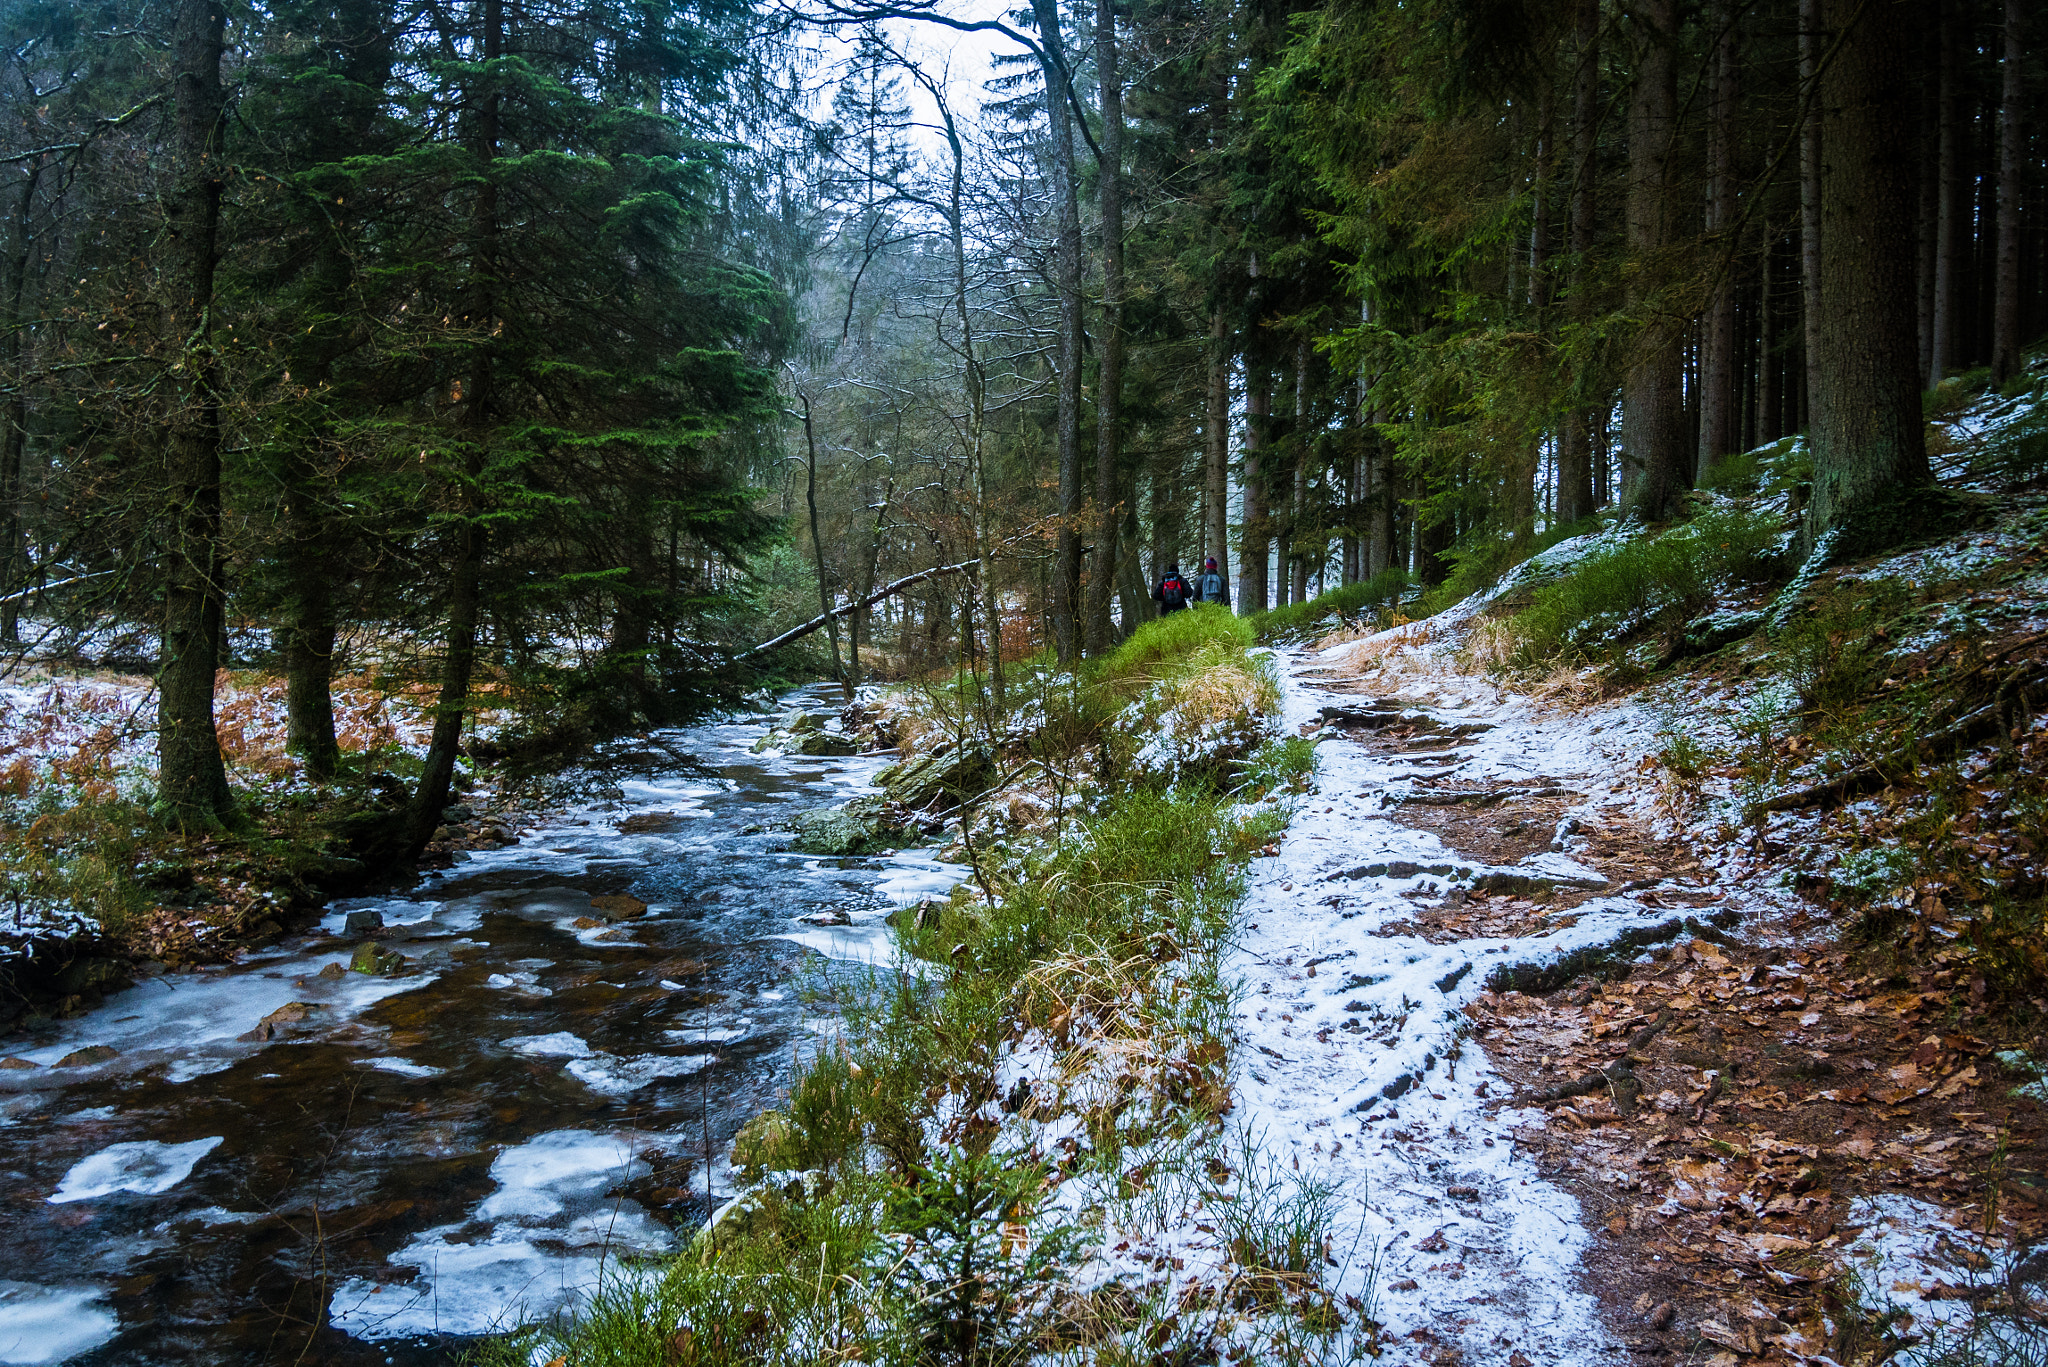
x=1216 y=455
x=14 y=412
x=1948 y=228
x=1719 y=435
x=1869 y=455
x=1930 y=189
x=818 y=544
x=1381 y=552
x=1066 y=604
x=1809 y=192
x=1653 y=399
x=465 y=591
x=1575 y=433
x=2005 y=308
x=1522 y=480
x=1130 y=567
x=1109 y=382
x=1255 y=559
x=191 y=774
x=307 y=639
x=1768 y=360
x=1298 y=518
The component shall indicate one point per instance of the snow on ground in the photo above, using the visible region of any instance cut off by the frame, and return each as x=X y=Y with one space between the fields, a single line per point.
x=1352 y=1062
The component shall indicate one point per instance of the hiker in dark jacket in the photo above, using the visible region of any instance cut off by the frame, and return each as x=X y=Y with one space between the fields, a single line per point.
x=1209 y=584
x=1172 y=593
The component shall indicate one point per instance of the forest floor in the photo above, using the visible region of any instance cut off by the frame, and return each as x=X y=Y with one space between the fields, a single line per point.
x=1708 y=1117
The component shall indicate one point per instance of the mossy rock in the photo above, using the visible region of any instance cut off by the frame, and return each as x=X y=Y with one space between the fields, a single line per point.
x=764 y=1144
x=832 y=831
x=940 y=782
x=826 y=743
x=803 y=722
x=377 y=961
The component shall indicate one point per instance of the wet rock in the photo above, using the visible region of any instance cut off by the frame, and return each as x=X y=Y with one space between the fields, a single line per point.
x=586 y=923
x=618 y=907
x=830 y=831
x=827 y=743
x=829 y=916
x=375 y=960
x=801 y=722
x=362 y=922
x=291 y=1013
x=88 y=1056
x=264 y=1032
x=457 y=813
x=11 y=1063
x=923 y=914
x=337 y=969
x=940 y=782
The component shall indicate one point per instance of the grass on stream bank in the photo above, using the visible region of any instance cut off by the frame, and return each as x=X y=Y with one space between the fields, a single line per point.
x=1046 y=1070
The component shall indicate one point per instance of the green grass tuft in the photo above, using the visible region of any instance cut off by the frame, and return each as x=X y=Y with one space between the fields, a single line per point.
x=1377 y=594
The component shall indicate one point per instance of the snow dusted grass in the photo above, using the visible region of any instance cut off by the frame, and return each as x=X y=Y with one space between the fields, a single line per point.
x=81 y=849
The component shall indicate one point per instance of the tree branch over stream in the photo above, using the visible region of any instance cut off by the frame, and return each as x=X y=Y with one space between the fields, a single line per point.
x=893 y=587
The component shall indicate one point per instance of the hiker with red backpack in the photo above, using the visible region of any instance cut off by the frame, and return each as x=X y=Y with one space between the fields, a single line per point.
x=1173 y=592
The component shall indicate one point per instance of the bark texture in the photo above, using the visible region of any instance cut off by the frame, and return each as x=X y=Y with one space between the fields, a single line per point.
x=1869 y=452
x=1109 y=379
x=2005 y=293
x=1575 y=433
x=191 y=775
x=1653 y=400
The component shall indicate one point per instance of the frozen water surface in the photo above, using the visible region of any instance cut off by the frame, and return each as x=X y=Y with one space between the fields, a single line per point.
x=145 y=1167
x=51 y=1323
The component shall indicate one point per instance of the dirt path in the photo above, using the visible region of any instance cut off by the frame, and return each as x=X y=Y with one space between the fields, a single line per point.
x=1436 y=950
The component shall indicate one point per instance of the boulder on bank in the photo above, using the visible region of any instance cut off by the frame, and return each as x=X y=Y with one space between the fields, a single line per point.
x=825 y=743
x=864 y=825
x=940 y=782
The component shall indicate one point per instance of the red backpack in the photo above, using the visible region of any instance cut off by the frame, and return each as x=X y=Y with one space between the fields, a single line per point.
x=1173 y=590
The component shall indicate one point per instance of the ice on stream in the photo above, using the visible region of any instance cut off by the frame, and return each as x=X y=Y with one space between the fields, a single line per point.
x=192 y=1022
x=549 y=1197
x=51 y=1323
x=403 y=1067
x=146 y=1167
x=608 y=1074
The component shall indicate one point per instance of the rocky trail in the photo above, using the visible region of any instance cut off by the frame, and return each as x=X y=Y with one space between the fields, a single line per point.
x=1581 y=1088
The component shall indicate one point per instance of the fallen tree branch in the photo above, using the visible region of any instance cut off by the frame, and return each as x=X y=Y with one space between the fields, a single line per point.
x=893 y=587
x=847 y=609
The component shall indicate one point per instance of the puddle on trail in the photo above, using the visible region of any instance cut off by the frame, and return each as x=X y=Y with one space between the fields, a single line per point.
x=416 y=1159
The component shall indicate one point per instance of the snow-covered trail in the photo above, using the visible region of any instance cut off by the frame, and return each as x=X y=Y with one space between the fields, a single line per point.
x=1354 y=1066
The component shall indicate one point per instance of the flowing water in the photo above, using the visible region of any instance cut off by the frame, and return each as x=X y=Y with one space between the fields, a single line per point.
x=418 y=1159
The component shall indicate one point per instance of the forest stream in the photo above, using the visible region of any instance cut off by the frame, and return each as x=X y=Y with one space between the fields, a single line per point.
x=413 y=1159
